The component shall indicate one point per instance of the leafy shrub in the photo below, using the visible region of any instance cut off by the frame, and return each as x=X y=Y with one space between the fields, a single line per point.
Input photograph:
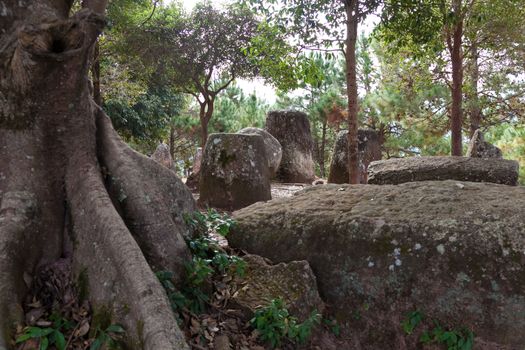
x=453 y=339
x=208 y=259
x=274 y=324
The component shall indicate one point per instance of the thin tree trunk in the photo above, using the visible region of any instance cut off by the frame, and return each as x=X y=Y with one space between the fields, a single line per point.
x=352 y=18
x=475 y=110
x=172 y=142
x=322 y=150
x=457 y=84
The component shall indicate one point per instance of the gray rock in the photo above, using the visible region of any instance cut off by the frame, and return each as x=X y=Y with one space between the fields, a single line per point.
x=369 y=149
x=479 y=148
x=453 y=250
x=396 y=171
x=162 y=156
x=293 y=282
x=292 y=130
x=274 y=151
x=234 y=171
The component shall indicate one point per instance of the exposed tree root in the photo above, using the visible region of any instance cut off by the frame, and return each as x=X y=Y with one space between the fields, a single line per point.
x=151 y=198
x=116 y=271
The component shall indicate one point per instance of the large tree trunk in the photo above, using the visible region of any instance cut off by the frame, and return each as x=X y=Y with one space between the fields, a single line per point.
x=351 y=83
x=456 y=54
x=54 y=140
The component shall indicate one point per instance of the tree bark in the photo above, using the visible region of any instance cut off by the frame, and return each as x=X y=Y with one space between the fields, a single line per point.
x=54 y=141
x=322 y=150
x=205 y=114
x=455 y=48
x=352 y=18
x=95 y=70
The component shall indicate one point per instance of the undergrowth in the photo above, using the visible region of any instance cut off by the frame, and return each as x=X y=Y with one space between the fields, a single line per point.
x=275 y=324
x=208 y=260
x=452 y=339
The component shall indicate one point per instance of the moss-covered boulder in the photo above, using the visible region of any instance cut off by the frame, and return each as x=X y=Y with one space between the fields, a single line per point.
x=453 y=250
x=294 y=283
x=400 y=170
x=292 y=130
x=274 y=151
x=234 y=171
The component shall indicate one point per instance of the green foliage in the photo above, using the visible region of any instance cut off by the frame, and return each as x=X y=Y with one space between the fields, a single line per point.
x=202 y=223
x=208 y=259
x=510 y=138
x=48 y=336
x=108 y=337
x=275 y=324
x=234 y=110
x=147 y=119
x=333 y=325
x=452 y=339
x=462 y=339
x=412 y=321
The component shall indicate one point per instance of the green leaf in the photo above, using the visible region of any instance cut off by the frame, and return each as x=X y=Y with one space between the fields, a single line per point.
x=115 y=328
x=60 y=341
x=96 y=344
x=44 y=343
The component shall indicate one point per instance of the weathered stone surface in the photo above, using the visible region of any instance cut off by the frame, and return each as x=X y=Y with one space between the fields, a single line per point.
x=293 y=282
x=396 y=171
x=193 y=180
x=453 y=250
x=274 y=151
x=292 y=130
x=369 y=149
x=234 y=171
x=162 y=156
x=479 y=148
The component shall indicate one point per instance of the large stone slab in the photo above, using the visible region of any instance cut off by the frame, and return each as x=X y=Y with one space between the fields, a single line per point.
x=292 y=130
x=274 y=151
x=369 y=149
x=396 y=171
x=453 y=250
x=234 y=171
x=294 y=283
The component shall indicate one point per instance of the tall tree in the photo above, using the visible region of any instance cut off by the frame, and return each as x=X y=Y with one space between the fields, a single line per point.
x=54 y=143
x=201 y=54
x=428 y=27
x=329 y=26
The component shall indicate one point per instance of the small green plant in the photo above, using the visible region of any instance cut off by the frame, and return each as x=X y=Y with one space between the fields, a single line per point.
x=452 y=339
x=45 y=336
x=412 y=321
x=274 y=324
x=210 y=220
x=107 y=337
x=49 y=335
x=333 y=325
x=208 y=259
